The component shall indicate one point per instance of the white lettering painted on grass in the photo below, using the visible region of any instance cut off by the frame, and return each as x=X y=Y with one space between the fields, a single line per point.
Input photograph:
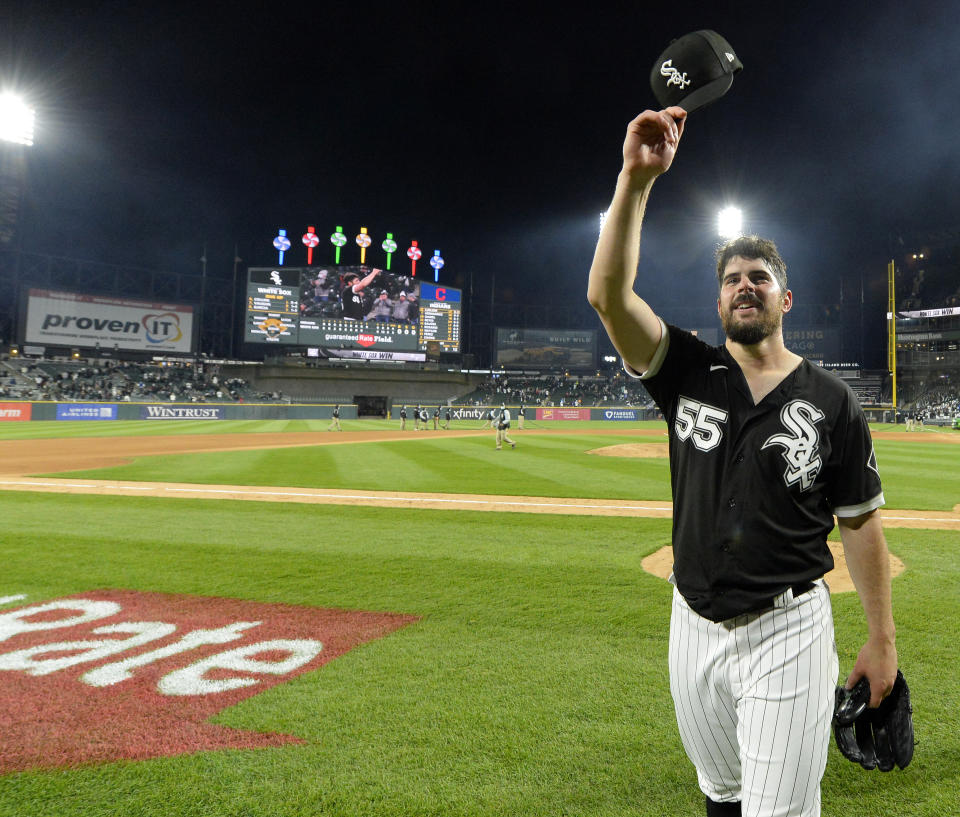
x=11 y=599
x=117 y=671
x=29 y=661
x=190 y=680
x=14 y=622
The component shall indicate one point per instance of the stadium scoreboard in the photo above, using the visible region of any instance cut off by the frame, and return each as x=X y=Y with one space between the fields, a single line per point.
x=306 y=306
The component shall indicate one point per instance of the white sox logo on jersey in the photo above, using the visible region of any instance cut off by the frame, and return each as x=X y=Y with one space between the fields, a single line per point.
x=801 y=448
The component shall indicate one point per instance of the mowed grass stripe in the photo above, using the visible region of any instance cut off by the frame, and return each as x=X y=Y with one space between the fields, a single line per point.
x=540 y=466
x=115 y=428
x=920 y=476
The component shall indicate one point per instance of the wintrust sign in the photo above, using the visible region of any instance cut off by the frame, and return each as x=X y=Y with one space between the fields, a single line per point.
x=137 y=675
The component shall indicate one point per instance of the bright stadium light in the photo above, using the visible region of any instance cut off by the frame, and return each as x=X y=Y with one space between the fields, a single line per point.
x=16 y=119
x=730 y=223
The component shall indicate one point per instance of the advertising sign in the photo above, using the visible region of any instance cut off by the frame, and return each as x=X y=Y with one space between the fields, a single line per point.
x=620 y=414
x=86 y=411
x=546 y=348
x=563 y=414
x=15 y=411
x=74 y=319
x=134 y=675
x=181 y=413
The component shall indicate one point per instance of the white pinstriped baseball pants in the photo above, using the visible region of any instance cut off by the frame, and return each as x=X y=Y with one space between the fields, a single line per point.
x=754 y=698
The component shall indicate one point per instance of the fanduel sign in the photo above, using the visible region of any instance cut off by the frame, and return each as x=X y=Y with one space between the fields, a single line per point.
x=620 y=414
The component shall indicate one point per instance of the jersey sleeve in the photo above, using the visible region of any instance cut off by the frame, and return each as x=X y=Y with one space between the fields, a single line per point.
x=678 y=351
x=856 y=488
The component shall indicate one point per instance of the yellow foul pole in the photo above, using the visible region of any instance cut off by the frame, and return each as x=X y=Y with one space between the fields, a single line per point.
x=892 y=330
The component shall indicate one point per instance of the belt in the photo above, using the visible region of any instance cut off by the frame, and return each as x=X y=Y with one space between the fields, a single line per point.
x=803 y=587
x=797 y=589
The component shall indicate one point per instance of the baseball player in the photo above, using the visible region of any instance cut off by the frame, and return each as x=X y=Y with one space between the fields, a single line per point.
x=765 y=448
x=503 y=428
x=403 y=418
x=351 y=296
x=335 y=419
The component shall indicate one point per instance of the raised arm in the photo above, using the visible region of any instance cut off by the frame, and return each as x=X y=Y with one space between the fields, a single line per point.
x=648 y=150
x=367 y=281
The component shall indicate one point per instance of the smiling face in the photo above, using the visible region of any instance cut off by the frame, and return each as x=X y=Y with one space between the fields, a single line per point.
x=751 y=303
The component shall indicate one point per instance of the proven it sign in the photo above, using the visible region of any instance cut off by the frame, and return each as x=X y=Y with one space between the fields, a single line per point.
x=75 y=319
x=116 y=674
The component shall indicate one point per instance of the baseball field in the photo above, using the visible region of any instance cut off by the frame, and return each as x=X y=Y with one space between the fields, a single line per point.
x=264 y=618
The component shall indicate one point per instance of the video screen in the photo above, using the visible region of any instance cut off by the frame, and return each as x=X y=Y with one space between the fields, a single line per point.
x=350 y=307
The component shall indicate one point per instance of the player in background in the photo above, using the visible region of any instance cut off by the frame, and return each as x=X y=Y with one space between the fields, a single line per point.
x=521 y=413
x=446 y=418
x=335 y=419
x=765 y=448
x=403 y=418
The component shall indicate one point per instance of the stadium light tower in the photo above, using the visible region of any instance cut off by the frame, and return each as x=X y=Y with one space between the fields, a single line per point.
x=730 y=223
x=16 y=119
x=16 y=135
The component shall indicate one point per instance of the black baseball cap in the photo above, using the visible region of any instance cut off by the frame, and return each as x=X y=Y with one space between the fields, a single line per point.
x=694 y=70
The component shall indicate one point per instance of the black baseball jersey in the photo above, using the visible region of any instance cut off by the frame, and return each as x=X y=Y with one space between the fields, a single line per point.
x=403 y=413
x=755 y=487
x=352 y=303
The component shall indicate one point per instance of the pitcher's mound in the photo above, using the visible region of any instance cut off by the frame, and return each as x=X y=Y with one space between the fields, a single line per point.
x=660 y=564
x=647 y=450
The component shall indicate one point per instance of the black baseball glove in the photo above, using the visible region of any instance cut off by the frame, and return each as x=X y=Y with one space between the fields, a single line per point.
x=874 y=738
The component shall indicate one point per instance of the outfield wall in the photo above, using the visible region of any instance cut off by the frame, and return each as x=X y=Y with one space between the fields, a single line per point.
x=172 y=411
x=534 y=413
x=104 y=411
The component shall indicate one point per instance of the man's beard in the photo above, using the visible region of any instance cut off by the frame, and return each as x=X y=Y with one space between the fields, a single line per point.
x=748 y=334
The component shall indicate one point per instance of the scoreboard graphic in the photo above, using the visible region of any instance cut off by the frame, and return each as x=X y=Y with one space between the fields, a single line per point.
x=350 y=307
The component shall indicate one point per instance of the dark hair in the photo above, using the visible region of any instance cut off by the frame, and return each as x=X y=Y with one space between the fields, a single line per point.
x=753 y=247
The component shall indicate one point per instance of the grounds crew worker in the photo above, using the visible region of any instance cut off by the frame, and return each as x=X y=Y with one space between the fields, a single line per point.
x=503 y=428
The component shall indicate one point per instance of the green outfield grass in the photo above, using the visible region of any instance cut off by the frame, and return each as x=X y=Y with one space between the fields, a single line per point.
x=41 y=429
x=917 y=475
x=534 y=683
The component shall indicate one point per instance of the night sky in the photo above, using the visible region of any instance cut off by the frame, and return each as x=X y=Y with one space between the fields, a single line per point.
x=490 y=131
